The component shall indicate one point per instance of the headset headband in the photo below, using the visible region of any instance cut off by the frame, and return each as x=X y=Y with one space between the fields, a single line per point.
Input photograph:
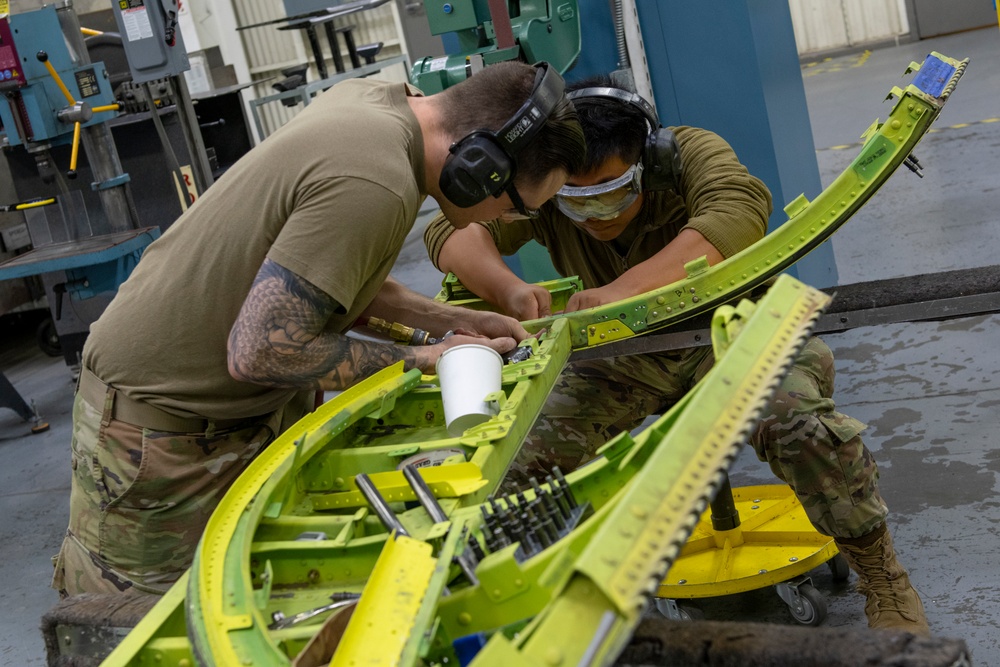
x=530 y=118
x=622 y=96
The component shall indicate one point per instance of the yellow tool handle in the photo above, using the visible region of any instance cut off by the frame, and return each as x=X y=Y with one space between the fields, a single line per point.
x=44 y=57
x=7 y=208
x=76 y=150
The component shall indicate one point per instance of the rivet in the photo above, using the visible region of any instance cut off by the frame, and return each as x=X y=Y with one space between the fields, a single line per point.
x=792 y=559
x=464 y=618
x=661 y=300
x=682 y=581
x=553 y=657
x=693 y=290
x=755 y=507
x=761 y=571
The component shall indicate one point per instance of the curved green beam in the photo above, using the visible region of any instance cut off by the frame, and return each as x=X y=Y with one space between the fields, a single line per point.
x=887 y=146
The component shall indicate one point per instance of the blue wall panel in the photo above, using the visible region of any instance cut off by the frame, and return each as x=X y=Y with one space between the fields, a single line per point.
x=734 y=69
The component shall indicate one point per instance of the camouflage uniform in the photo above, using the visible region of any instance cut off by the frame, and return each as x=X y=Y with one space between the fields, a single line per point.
x=807 y=443
x=140 y=499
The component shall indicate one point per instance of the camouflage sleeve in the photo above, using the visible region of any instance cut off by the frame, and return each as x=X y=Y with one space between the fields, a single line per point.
x=507 y=236
x=726 y=204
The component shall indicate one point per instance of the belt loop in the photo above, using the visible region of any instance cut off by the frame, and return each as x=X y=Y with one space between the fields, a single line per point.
x=109 y=406
x=210 y=429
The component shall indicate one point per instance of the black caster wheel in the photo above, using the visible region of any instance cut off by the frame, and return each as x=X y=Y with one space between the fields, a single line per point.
x=839 y=568
x=48 y=338
x=678 y=612
x=809 y=606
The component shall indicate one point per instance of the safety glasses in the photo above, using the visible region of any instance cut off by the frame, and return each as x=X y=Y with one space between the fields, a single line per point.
x=604 y=201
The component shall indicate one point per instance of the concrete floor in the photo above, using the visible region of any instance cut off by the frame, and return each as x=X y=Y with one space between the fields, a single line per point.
x=929 y=391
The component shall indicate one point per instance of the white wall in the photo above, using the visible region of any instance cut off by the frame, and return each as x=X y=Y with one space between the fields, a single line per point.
x=822 y=25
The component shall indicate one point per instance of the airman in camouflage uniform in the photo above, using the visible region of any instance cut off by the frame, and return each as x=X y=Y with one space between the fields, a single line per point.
x=625 y=228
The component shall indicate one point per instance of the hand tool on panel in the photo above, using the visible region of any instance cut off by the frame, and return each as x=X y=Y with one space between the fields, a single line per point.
x=403 y=333
x=434 y=509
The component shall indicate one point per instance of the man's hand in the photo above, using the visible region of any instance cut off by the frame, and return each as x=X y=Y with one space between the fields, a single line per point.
x=489 y=324
x=428 y=356
x=591 y=298
x=526 y=302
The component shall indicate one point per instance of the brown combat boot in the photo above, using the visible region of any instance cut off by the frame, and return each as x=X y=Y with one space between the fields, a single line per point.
x=892 y=602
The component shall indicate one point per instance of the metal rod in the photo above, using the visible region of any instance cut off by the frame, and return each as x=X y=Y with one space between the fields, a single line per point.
x=282 y=621
x=436 y=512
x=424 y=494
x=192 y=133
x=377 y=503
x=168 y=150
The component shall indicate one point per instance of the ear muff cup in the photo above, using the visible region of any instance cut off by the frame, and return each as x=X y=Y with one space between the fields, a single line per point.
x=476 y=169
x=661 y=162
x=482 y=164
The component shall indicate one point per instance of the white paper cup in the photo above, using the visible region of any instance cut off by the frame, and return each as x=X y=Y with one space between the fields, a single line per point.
x=468 y=374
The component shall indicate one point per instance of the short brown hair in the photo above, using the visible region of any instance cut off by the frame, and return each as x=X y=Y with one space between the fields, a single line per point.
x=489 y=99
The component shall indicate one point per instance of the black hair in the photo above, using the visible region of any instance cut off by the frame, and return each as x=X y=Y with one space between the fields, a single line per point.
x=611 y=127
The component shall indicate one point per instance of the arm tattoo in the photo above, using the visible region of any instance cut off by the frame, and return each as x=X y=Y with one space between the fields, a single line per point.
x=278 y=338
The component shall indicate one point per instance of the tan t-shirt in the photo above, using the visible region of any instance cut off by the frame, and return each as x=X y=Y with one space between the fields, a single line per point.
x=329 y=196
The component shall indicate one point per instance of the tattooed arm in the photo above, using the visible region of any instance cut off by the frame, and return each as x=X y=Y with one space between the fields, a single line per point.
x=278 y=339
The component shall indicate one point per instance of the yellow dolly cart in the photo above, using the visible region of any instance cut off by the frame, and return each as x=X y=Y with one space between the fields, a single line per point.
x=749 y=538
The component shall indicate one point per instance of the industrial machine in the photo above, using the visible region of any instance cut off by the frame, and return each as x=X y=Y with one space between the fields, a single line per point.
x=83 y=229
x=491 y=31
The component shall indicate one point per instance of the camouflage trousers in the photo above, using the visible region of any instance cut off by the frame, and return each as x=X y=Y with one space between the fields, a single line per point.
x=140 y=499
x=810 y=446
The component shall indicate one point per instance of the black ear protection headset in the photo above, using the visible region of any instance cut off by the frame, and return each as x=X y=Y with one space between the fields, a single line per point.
x=483 y=163
x=661 y=159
